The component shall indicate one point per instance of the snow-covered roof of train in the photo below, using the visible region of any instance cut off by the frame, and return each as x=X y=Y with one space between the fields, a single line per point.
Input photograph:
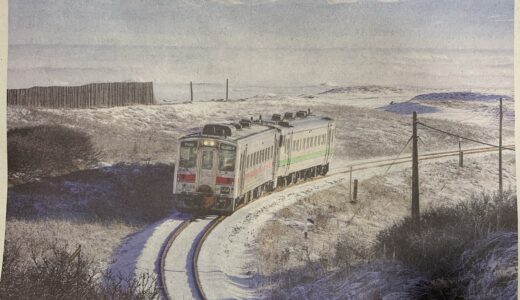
x=246 y=128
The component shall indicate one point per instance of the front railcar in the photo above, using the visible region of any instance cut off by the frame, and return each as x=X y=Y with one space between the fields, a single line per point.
x=205 y=175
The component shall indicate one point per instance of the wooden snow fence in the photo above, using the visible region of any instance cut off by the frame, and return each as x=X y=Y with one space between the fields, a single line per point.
x=85 y=96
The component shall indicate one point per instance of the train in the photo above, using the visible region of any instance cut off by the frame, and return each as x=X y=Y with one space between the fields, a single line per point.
x=225 y=165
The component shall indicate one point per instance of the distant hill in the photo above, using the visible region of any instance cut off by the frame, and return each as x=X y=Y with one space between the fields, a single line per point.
x=461 y=96
x=406 y=108
x=363 y=89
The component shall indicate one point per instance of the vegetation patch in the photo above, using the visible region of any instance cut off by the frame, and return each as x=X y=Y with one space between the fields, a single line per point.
x=48 y=150
x=54 y=271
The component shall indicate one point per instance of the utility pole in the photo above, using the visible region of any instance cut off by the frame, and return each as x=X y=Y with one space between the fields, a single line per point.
x=350 y=186
x=227 y=86
x=415 y=171
x=461 y=154
x=500 y=190
x=191 y=91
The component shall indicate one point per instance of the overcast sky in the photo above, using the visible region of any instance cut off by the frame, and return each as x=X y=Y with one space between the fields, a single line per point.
x=284 y=42
x=266 y=23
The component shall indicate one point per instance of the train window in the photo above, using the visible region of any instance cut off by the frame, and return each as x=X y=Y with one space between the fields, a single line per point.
x=315 y=141
x=226 y=160
x=248 y=161
x=188 y=155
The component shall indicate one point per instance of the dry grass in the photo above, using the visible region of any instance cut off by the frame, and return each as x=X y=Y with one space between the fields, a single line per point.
x=97 y=240
x=149 y=133
x=345 y=233
x=53 y=272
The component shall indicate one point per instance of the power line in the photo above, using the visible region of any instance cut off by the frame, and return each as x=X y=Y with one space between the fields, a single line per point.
x=397 y=157
x=462 y=137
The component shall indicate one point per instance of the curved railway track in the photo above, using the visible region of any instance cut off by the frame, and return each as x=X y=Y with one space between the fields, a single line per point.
x=192 y=259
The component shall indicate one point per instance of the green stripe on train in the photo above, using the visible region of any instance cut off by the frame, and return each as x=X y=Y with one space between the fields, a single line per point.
x=301 y=158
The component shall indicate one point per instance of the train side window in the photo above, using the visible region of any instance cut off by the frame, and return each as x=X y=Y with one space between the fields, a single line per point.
x=262 y=154
x=248 y=161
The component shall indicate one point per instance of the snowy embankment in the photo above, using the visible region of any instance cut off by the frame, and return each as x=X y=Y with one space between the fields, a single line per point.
x=227 y=259
x=140 y=252
x=487 y=270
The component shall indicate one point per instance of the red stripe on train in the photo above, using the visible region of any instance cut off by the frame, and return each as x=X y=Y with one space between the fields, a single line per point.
x=186 y=177
x=225 y=180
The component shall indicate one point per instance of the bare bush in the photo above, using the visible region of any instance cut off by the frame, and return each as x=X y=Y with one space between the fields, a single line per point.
x=435 y=242
x=47 y=150
x=56 y=274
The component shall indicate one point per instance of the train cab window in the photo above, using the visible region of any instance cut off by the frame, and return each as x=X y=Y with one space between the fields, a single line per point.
x=226 y=161
x=188 y=155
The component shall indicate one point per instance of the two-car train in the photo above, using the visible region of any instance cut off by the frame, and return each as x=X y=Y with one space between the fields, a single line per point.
x=226 y=165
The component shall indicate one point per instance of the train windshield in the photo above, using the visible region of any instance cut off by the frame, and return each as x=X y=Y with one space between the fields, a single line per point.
x=188 y=155
x=227 y=156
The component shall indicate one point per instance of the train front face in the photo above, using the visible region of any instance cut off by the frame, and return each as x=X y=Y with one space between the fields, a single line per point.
x=205 y=176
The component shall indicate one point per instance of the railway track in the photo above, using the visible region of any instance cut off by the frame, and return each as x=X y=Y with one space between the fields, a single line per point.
x=188 y=257
x=191 y=258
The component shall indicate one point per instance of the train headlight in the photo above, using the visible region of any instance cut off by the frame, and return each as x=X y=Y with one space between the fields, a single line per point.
x=208 y=143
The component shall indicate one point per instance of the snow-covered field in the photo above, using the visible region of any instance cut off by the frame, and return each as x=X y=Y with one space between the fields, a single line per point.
x=240 y=255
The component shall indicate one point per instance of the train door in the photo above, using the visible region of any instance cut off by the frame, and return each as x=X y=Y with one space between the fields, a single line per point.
x=288 y=149
x=329 y=142
x=243 y=165
x=207 y=170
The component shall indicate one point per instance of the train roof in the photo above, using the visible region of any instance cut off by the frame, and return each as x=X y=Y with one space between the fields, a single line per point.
x=249 y=127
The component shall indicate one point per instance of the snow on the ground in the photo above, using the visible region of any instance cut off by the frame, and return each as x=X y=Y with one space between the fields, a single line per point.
x=489 y=268
x=228 y=261
x=387 y=280
x=224 y=261
x=139 y=253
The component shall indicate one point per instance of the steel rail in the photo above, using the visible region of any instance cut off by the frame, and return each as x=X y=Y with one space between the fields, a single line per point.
x=171 y=238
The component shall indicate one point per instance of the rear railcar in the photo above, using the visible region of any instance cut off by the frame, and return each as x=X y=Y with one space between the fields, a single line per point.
x=306 y=147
